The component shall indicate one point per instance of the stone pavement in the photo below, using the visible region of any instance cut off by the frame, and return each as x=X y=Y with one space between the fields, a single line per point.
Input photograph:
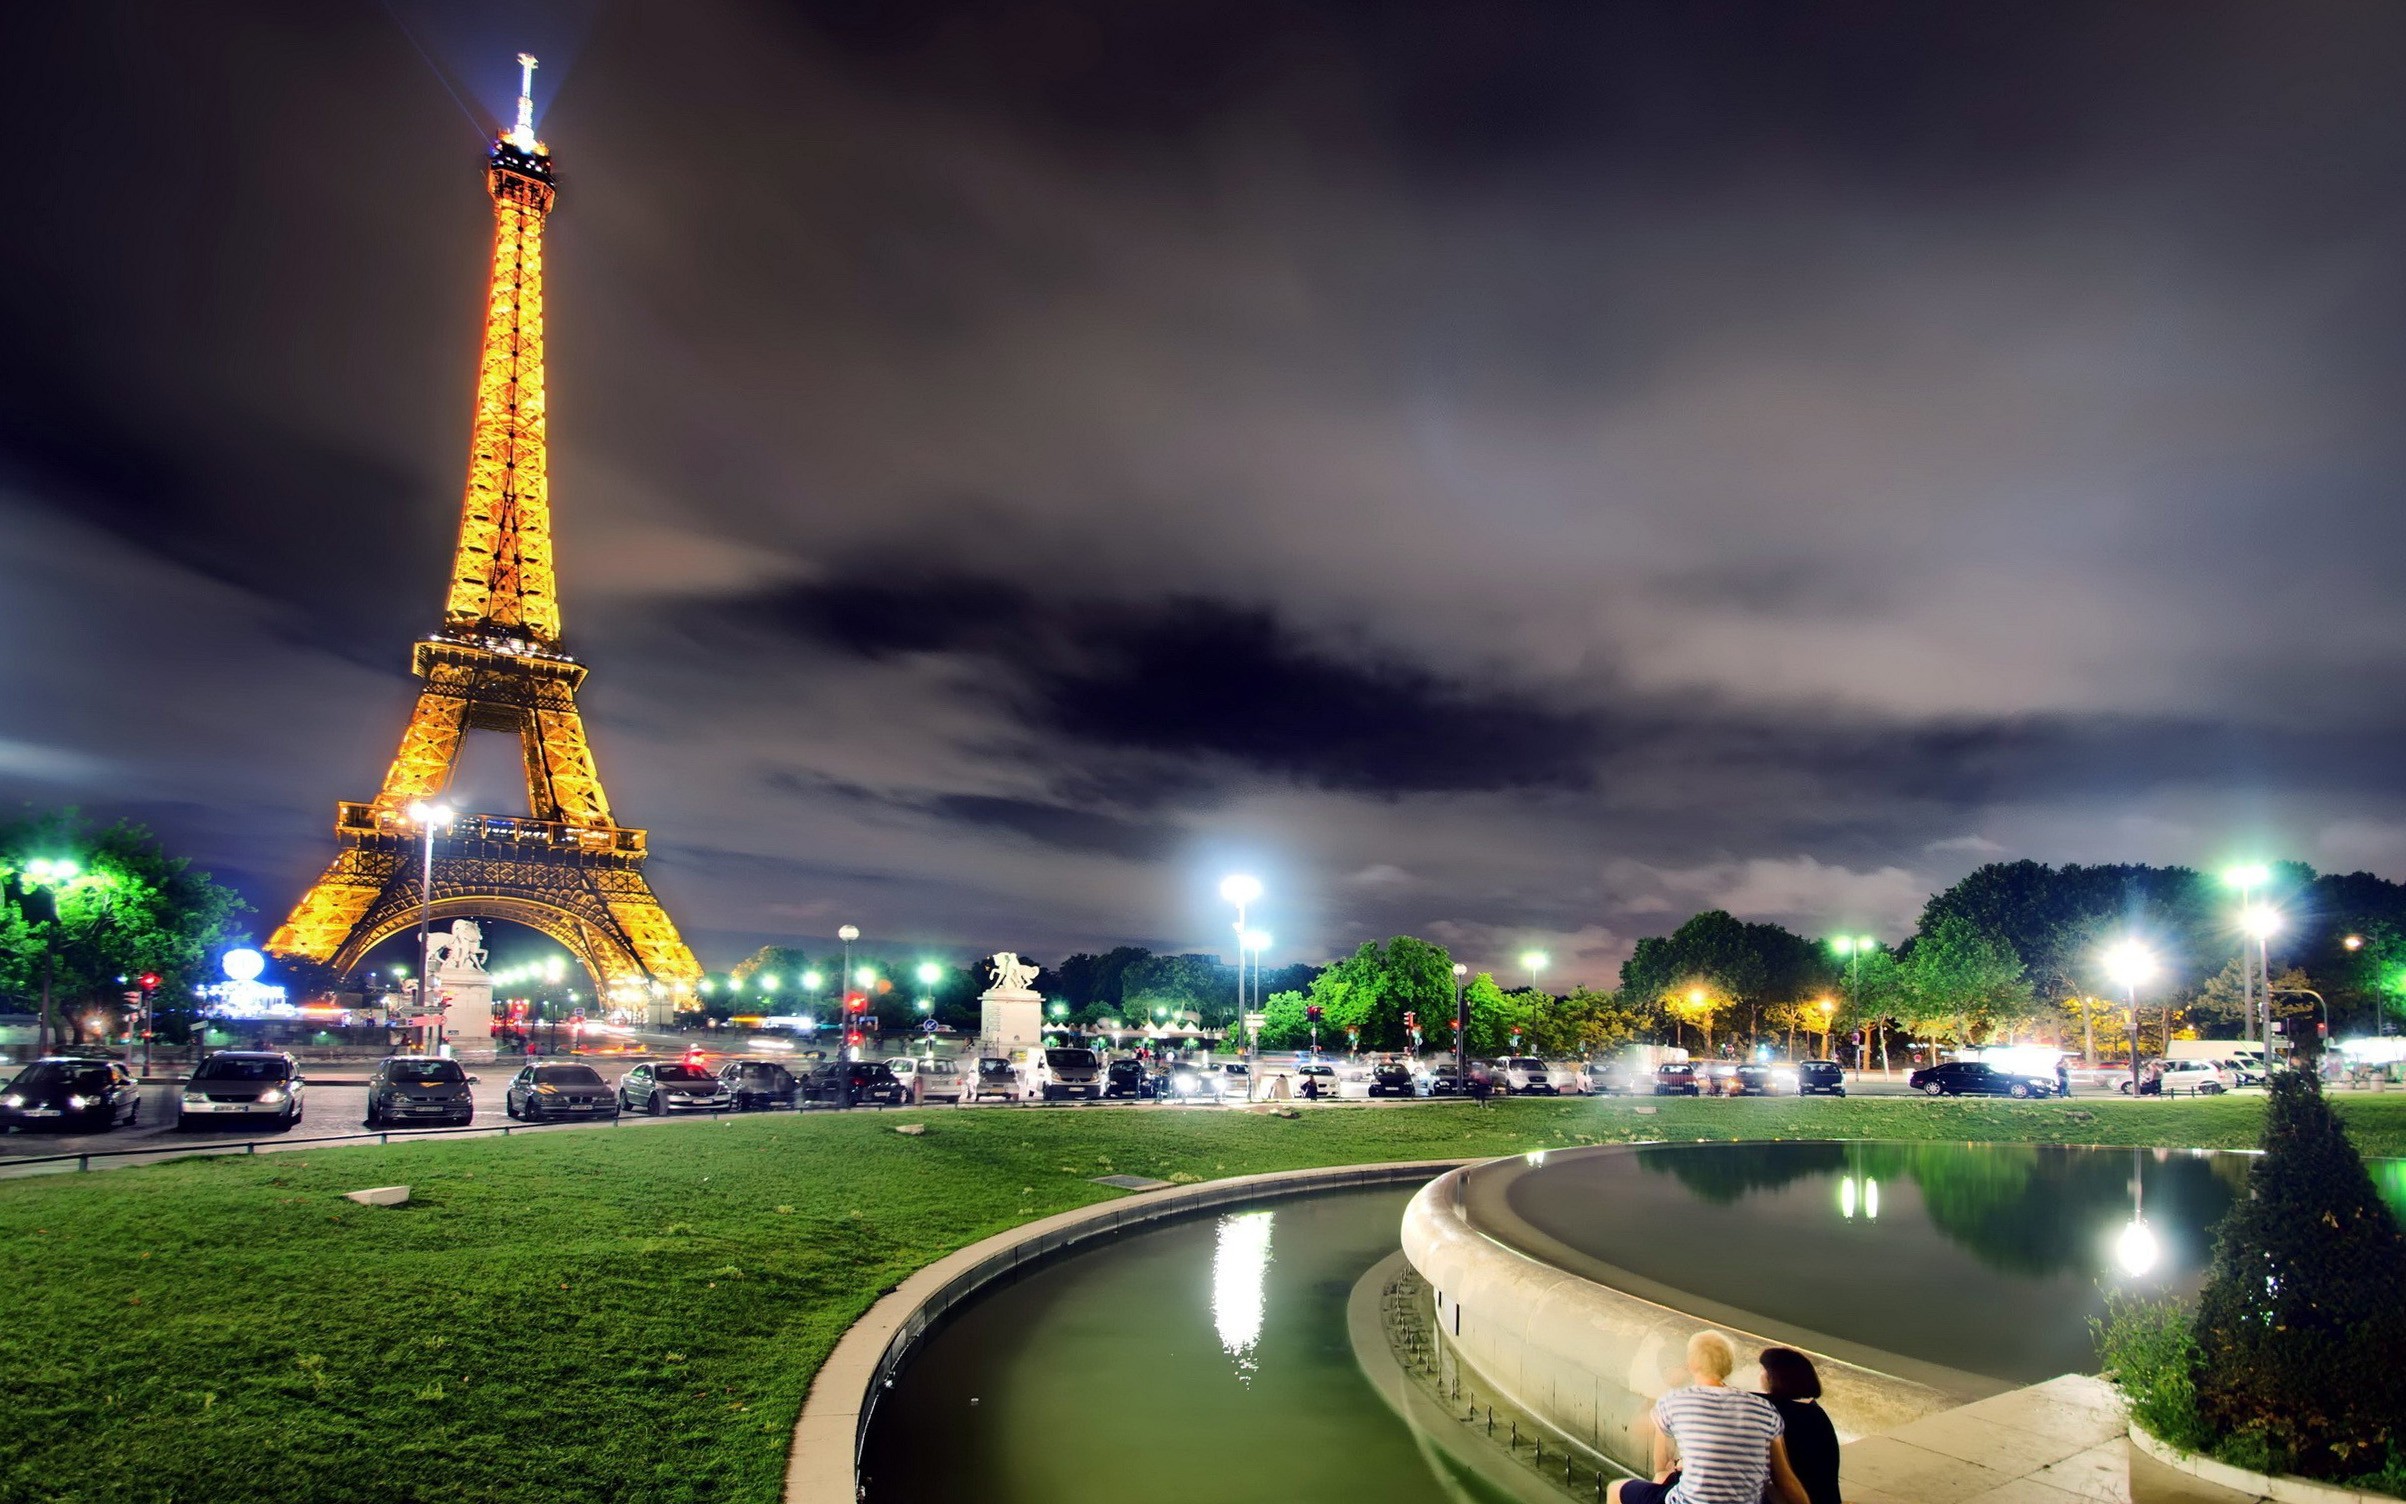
x=2061 y=1442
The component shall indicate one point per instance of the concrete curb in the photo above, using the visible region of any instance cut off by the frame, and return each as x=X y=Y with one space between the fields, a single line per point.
x=2276 y=1487
x=824 y=1464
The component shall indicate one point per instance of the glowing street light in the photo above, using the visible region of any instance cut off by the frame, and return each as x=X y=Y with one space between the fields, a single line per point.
x=2247 y=877
x=865 y=978
x=930 y=973
x=847 y=934
x=2129 y=963
x=1533 y=962
x=1241 y=890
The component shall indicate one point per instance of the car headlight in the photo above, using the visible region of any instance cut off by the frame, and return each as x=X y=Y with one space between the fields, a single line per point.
x=12 y=1100
x=272 y=1095
x=191 y=1094
x=76 y=1102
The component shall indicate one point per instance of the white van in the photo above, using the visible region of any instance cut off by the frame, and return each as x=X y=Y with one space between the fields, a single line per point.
x=1062 y=1071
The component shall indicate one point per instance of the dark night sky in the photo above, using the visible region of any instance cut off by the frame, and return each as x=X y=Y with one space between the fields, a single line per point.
x=1513 y=473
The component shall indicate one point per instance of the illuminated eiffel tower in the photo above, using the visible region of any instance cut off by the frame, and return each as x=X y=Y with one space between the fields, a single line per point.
x=569 y=871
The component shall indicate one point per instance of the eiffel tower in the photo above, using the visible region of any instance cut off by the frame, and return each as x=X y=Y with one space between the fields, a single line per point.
x=569 y=870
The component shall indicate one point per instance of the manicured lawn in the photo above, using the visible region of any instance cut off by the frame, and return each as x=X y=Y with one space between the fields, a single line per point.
x=635 y=1314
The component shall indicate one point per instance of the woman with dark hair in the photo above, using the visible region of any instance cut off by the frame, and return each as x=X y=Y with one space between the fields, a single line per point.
x=1794 y=1389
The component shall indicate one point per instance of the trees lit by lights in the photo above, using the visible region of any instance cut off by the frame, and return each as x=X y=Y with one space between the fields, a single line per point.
x=2129 y=963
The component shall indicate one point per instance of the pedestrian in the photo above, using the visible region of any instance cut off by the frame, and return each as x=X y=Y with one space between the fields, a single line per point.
x=1482 y=1082
x=1713 y=1444
x=1793 y=1386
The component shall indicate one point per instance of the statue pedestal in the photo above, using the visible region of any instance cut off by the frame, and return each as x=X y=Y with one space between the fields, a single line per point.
x=467 y=1010
x=1009 y=1018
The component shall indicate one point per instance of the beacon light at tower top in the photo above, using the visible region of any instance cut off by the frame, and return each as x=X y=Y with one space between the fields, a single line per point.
x=522 y=134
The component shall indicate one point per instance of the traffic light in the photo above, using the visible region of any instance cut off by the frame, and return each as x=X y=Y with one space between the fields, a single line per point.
x=149 y=981
x=1411 y=1020
x=1312 y=1012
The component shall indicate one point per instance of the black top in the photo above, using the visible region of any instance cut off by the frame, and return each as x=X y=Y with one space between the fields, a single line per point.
x=1812 y=1448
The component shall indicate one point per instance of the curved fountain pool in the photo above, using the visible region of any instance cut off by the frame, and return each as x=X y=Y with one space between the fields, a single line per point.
x=1208 y=1358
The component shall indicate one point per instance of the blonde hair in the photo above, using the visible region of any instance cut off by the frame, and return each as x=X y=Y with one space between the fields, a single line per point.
x=1711 y=1353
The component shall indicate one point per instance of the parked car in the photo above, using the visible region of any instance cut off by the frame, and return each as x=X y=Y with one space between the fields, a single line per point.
x=2199 y=1078
x=1619 y=1078
x=1977 y=1078
x=1570 y=1078
x=1523 y=1075
x=419 y=1089
x=1316 y=1081
x=1754 y=1079
x=1233 y=1079
x=243 y=1086
x=1719 y=1078
x=853 y=1083
x=1127 y=1077
x=924 y=1078
x=759 y=1084
x=1816 y=1077
x=994 y=1077
x=1064 y=1071
x=1445 y=1080
x=1677 y=1078
x=559 y=1090
x=661 y=1087
x=67 y=1091
x=1391 y=1078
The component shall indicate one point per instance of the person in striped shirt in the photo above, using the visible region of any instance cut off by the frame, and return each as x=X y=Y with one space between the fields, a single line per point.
x=1714 y=1444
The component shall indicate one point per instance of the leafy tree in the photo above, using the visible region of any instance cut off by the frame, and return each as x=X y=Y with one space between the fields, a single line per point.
x=1198 y=982
x=1087 y=981
x=2300 y=1326
x=132 y=908
x=1370 y=991
x=1586 y=1023
x=1962 y=975
x=1284 y=1024
x=1494 y=1015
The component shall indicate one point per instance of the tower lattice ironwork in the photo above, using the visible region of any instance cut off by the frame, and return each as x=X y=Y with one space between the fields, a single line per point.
x=567 y=869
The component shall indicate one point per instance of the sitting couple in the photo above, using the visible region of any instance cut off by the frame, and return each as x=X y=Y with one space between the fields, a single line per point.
x=1718 y=1445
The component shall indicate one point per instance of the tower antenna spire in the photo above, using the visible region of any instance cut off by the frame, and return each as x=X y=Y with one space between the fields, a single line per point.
x=523 y=136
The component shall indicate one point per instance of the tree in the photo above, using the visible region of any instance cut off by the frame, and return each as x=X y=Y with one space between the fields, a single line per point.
x=1198 y=982
x=2300 y=1326
x=130 y=908
x=1586 y=1023
x=1088 y=981
x=1962 y=975
x=1494 y=1015
x=1702 y=970
x=1284 y=1023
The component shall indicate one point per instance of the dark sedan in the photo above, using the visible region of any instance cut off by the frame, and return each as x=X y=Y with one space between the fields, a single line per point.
x=559 y=1092
x=1754 y=1079
x=1676 y=1079
x=1127 y=1078
x=1975 y=1078
x=850 y=1083
x=419 y=1089
x=759 y=1084
x=1446 y=1081
x=1814 y=1077
x=671 y=1086
x=1391 y=1078
x=64 y=1092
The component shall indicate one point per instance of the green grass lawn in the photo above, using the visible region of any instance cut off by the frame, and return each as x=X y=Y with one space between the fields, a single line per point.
x=635 y=1314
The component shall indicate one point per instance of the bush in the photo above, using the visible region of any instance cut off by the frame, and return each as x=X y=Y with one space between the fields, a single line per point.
x=2301 y=1331
x=2149 y=1351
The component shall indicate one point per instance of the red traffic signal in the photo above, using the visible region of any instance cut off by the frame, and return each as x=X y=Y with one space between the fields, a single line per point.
x=1312 y=1012
x=149 y=981
x=1411 y=1020
x=854 y=1038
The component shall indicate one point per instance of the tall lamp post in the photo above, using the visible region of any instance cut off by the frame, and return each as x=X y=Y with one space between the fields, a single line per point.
x=1533 y=962
x=429 y=817
x=2247 y=877
x=2129 y=963
x=2260 y=921
x=1241 y=890
x=1461 y=1029
x=1854 y=948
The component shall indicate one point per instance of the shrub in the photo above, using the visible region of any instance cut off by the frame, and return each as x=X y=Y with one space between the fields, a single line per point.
x=2301 y=1330
x=2150 y=1352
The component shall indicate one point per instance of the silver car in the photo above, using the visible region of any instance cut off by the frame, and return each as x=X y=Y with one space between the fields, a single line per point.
x=243 y=1086
x=926 y=1079
x=672 y=1086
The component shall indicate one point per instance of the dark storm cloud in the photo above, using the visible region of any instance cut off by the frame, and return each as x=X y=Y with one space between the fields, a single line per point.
x=1197 y=677
x=1510 y=471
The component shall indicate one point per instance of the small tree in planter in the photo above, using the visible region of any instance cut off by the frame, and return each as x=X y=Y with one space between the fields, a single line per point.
x=2301 y=1330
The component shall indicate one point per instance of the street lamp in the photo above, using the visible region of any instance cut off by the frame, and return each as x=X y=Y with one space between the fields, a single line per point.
x=2247 y=877
x=2129 y=963
x=1533 y=962
x=1461 y=1029
x=2260 y=921
x=930 y=973
x=1241 y=890
x=429 y=817
x=847 y=934
x=1854 y=948
x=1828 y=1014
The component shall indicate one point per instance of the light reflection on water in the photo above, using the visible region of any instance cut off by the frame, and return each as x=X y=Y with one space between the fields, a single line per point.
x=1240 y=1285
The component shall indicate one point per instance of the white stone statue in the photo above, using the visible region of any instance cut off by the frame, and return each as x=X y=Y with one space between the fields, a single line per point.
x=1012 y=974
x=463 y=950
